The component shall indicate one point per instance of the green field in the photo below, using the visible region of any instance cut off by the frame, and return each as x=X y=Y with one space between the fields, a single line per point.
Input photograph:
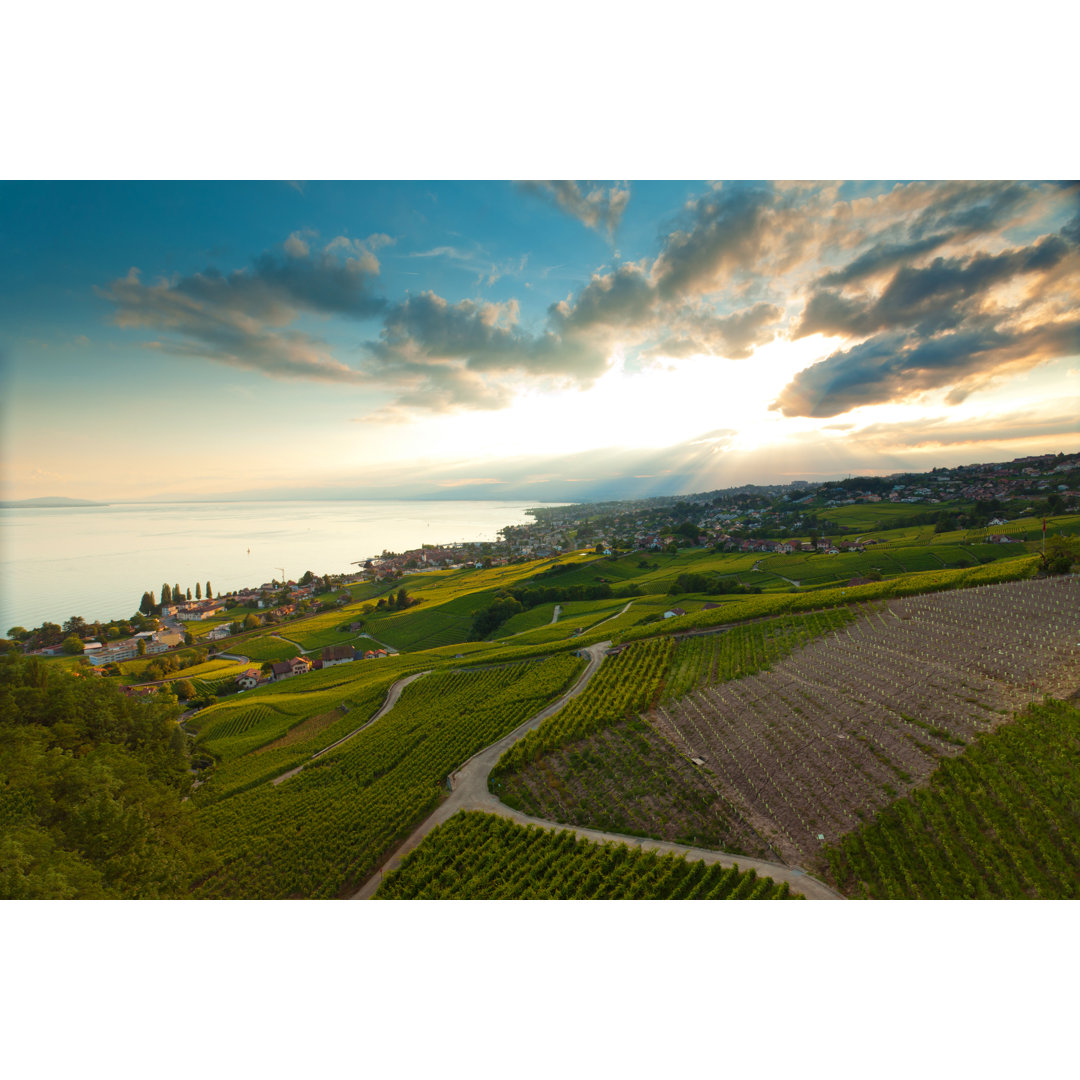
x=321 y=833
x=999 y=822
x=476 y=856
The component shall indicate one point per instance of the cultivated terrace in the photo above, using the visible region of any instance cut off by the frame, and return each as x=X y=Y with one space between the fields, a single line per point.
x=867 y=687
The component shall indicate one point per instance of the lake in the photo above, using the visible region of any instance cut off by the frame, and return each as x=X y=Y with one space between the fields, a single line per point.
x=98 y=561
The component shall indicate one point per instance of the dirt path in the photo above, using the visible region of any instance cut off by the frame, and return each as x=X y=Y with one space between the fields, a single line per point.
x=757 y=566
x=391 y=700
x=610 y=617
x=555 y=614
x=469 y=783
x=470 y=792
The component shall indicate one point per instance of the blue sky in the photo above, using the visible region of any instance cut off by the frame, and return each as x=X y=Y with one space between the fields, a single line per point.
x=547 y=339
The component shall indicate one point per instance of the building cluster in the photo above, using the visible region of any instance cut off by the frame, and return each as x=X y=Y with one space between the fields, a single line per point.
x=331 y=656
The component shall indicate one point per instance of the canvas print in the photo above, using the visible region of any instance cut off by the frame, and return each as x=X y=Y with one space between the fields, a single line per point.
x=565 y=539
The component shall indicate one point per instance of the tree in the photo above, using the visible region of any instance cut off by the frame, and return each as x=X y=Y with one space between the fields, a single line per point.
x=184 y=688
x=177 y=594
x=198 y=591
x=251 y=622
x=75 y=625
x=166 y=594
x=189 y=593
x=146 y=605
x=18 y=633
x=307 y=578
x=209 y=592
x=141 y=648
x=72 y=645
x=1061 y=553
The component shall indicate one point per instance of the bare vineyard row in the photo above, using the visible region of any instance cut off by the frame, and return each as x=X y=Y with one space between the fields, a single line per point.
x=811 y=749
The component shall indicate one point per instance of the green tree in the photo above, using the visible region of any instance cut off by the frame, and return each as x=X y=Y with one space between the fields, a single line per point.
x=198 y=591
x=141 y=648
x=166 y=594
x=177 y=594
x=209 y=592
x=146 y=605
x=72 y=645
x=189 y=592
x=75 y=625
x=184 y=688
x=18 y=633
x=251 y=622
x=1061 y=553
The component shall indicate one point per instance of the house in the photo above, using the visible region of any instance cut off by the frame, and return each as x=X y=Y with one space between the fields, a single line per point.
x=248 y=679
x=219 y=632
x=674 y=613
x=338 y=654
x=299 y=665
x=281 y=670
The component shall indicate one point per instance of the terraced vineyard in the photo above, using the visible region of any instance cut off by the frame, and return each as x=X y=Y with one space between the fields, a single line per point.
x=476 y=856
x=325 y=830
x=624 y=686
x=811 y=749
x=999 y=821
x=629 y=778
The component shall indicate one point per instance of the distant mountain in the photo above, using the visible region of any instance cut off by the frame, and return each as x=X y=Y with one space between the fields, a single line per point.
x=49 y=501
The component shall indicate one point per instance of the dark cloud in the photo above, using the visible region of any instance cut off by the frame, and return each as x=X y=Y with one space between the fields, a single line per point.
x=881 y=257
x=236 y=318
x=593 y=204
x=897 y=366
x=931 y=297
x=721 y=233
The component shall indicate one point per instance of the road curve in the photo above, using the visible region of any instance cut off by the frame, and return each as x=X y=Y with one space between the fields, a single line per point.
x=470 y=792
x=391 y=699
x=469 y=782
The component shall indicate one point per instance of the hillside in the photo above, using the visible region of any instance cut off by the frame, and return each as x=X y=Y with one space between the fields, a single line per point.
x=747 y=736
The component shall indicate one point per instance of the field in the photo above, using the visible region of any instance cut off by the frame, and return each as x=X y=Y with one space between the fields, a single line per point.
x=324 y=831
x=476 y=856
x=833 y=733
x=788 y=725
x=998 y=822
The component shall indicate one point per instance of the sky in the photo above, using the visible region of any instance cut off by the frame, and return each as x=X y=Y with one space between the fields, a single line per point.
x=528 y=339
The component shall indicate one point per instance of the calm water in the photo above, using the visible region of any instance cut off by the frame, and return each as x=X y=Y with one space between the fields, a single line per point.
x=97 y=561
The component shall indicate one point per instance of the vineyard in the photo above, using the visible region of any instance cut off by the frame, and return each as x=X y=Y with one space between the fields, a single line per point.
x=999 y=821
x=754 y=607
x=477 y=856
x=833 y=733
x=625 y=685
x=630 y=779
x=705 y=659
x=327 y=828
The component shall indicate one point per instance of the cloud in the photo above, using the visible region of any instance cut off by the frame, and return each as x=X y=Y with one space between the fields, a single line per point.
x=593 y=204
x=1021 y=426
x=928 y=286
x=897 y=366
x=240 y=318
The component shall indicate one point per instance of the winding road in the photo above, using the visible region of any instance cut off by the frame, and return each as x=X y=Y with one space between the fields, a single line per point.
x=391 y=700
x=469 y=791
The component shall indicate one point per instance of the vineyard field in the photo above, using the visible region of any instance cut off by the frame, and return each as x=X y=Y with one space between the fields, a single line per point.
x=477 y=856
x=631 y=779
x=324 y=831
x=998 y=822
x=625 y=685
x=836 y=731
